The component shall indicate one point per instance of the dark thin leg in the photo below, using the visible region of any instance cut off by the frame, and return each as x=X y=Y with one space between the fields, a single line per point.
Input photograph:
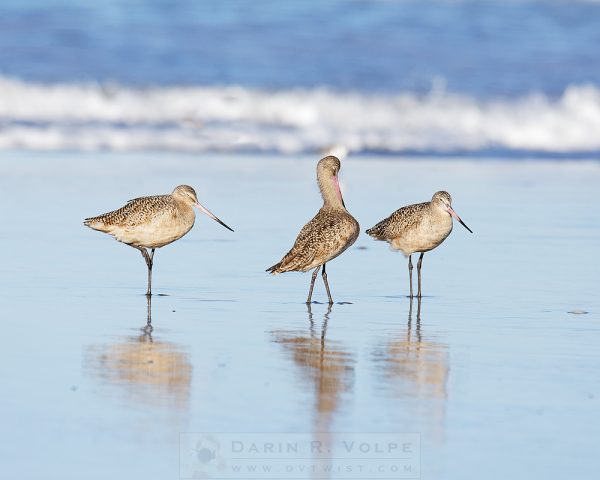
x=419 y=320
x=323 y=333
x=410 y=269
x=149 y=262
x=419 y=272
x=409 y=329
x=149 y=311
x=418 y=328
x=310 y=320
x=150 y=272
x=312 y=284
x=327 y=285
x=148 y=328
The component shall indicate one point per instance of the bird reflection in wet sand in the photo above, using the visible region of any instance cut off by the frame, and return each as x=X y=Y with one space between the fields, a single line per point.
x=325 y=367
x=146 y=370
x=411 y=365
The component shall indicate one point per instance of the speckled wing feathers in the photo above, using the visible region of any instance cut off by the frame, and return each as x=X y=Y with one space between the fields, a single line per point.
x=399 y=222
x=322 y=239
x=136 y=212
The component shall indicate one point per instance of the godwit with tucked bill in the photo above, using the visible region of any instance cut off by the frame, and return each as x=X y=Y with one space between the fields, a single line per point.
x=152 y=222
x=418 y=228
x=327 y=235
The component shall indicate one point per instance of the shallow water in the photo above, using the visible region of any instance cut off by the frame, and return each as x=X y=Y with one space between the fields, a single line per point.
x=492 y=370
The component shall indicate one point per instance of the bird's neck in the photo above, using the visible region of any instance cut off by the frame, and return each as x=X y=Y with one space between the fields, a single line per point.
x=440 y=214
x=332 y=197
x=184 y=208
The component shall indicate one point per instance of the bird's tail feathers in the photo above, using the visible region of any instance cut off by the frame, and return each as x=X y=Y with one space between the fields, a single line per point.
x=274 y=269
x=97 y=223
x=377 y=231
x=91 y=222
x=292 y=263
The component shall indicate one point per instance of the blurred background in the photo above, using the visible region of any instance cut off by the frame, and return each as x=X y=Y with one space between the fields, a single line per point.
x=502 y=78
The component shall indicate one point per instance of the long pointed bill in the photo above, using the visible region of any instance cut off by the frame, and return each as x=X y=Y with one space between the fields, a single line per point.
x=205 y=210
x=455 y=215
x=339 y=191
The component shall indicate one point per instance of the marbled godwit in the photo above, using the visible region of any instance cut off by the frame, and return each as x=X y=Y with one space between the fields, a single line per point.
x=327 y=235
x=152 y=222
x=418 y=228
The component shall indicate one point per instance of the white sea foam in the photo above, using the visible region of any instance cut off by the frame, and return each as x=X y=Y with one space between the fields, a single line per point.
x=91 y=117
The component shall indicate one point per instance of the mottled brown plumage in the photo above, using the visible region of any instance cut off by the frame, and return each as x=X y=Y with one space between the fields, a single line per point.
x=418 y=228
x=327 y=235
x=149 y=222
x=402 y=220
x=322 y=239
x=152 y=222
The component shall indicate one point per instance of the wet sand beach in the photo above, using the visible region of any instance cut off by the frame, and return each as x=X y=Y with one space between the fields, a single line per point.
x=496 y=369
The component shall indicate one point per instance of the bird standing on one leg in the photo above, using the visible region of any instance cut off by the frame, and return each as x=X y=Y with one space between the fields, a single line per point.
x=418 y=228
x=152 y=222
x=327 y=235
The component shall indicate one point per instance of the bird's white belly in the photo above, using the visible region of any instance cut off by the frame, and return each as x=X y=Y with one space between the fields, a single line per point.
x=427 y=236
x=152 y=235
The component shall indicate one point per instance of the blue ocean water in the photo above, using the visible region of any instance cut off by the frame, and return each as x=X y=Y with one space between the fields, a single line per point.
x=460 y=61
x=479 y=47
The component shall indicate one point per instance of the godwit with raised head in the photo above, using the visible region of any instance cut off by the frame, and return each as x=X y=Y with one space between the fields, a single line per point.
x=418 y=228
x=152 y=222
x=327 y=235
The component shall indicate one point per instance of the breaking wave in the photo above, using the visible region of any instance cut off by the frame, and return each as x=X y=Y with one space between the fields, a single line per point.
x=113 y=117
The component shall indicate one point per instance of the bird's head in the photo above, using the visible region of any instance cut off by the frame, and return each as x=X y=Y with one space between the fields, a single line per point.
x=443 y=201
x=187 y=194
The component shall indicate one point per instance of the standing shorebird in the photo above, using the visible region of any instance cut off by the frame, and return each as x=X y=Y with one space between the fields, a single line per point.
x=152 y=222
x=418 y=228
x=327 y=235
